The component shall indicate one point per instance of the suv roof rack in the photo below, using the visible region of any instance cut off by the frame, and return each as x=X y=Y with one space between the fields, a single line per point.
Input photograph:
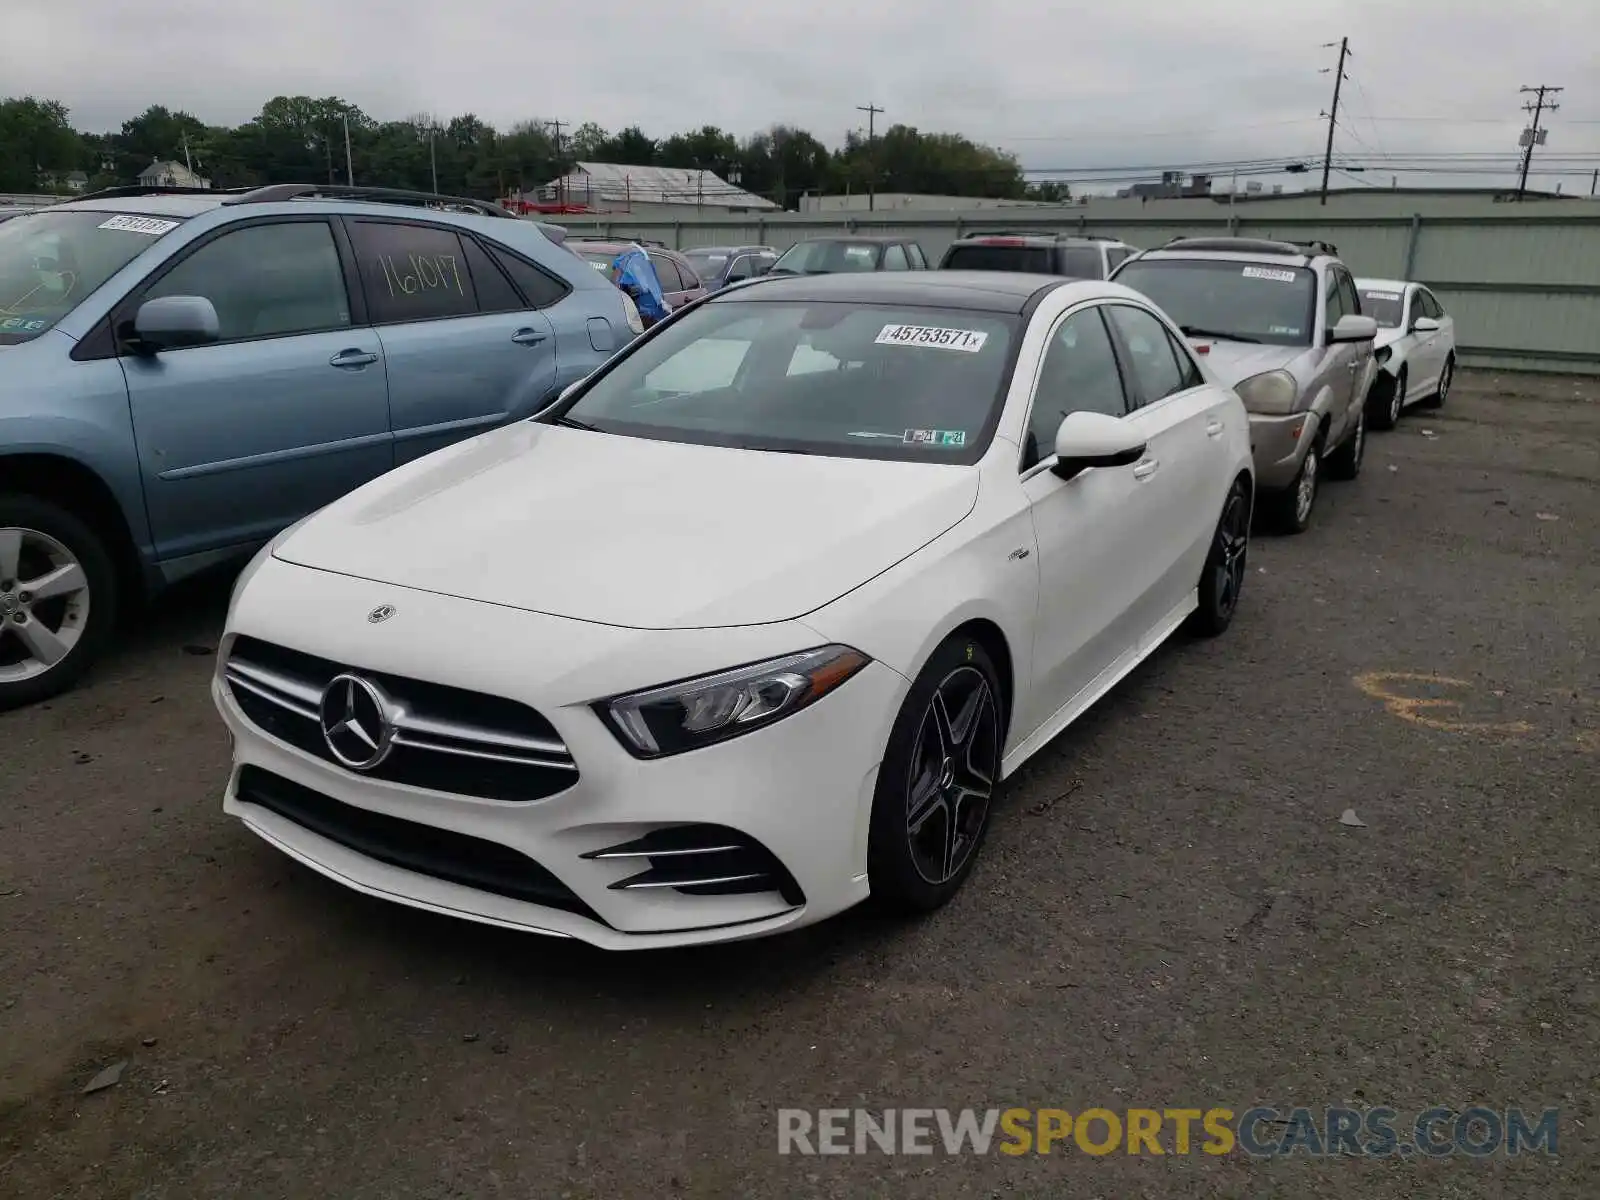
x=616 y=237
x=1055 y=235
x=275 y=192
x=122 y=191
x=1249 y=245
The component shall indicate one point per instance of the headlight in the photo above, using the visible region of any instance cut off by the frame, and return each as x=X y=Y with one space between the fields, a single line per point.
x=713 y=708
x=1272 y=393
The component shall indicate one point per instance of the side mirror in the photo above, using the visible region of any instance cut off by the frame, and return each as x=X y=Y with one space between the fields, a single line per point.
x=173 y=322
x=1425 y=325
x=1088 y=439
x=1353 y=328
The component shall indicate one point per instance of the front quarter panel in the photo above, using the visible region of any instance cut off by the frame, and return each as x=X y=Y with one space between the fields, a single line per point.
x=984 y=569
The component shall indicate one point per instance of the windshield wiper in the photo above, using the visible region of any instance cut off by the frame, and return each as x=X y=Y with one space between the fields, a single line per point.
x=1197 y=331
x=574 y=423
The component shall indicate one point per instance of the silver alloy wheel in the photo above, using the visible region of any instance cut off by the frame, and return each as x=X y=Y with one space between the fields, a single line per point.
x=955 y=764
x=44 y=603
x=1232 y=550
x=1360 y=447
x=1444 y=380
x=1397 y=398
x=1306 y=490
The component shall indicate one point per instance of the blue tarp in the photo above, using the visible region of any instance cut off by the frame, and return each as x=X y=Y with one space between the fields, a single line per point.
x=635 y=272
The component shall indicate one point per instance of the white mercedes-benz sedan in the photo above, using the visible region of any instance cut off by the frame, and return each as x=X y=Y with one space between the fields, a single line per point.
x=751 y=623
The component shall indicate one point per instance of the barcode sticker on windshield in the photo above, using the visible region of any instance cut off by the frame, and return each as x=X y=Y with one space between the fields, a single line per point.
x=150 y=225
x=1269 y=273
x=969 y=341
x=1380 y=295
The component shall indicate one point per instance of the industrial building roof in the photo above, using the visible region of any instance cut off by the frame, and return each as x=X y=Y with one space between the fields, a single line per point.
x=612 y=182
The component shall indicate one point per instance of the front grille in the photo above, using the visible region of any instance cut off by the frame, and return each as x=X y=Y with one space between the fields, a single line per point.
x=446 y=739
x=702 y=860
x=440 y=853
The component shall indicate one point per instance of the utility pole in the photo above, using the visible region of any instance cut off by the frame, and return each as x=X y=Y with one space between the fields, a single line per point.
x=1333 y=113
x=561 y=176
x=872 y=111
x=1594 y=182
x=1533 y=135
x=433 y=161
x=349 y=161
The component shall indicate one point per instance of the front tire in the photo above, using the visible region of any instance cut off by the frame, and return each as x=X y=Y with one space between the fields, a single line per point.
x=930 y=811
x=58 y=599
x=1345 y=462
x=1386 y=415
x=1289 y=511
x=1446 y=377
x=1224 y=574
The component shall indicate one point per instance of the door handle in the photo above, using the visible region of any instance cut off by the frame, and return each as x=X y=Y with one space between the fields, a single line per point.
x=1146 y=469
x=527 y=337
x=353 y=358
x=1214 y=428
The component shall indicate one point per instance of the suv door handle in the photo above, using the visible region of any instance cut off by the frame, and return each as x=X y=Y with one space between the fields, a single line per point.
x=1146 y=469
x=353 y=358
x=527 y=337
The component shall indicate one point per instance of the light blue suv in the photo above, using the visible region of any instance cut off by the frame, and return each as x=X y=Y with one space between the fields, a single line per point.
x=183 y=374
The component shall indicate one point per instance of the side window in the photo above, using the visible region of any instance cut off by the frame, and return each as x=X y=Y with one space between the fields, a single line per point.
x=1079 y=374
x=413 y=272
x=743 y=267
x=1191 y=377
x=1114 y=257
x=919 y=261
x=1335 y=296
x=266 y=280
x=667 y=273
x=894 y=259
x=540 y=289
x=1430 y=304
x=1155 y=363
x=1348 y=295
x=495 y=293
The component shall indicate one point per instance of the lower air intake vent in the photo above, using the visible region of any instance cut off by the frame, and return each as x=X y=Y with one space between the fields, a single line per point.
x=702 y=860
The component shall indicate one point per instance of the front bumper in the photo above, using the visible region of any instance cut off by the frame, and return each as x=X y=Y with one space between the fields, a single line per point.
x=1278 y=446
x=801 y=789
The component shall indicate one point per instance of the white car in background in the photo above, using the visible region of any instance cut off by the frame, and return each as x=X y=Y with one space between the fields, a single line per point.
x=1415 y=349
x=752 y=622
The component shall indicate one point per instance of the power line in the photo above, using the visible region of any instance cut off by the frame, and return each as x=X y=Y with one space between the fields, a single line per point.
x=1533 y=135
x=1333 y=113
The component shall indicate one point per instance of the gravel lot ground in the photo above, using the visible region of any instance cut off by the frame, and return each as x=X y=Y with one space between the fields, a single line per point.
x=1169 y=913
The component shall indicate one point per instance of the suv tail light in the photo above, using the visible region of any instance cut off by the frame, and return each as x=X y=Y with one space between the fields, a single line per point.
x=1001 y=241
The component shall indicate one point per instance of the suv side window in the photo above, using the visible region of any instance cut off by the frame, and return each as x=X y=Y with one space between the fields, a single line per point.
x=743 y=267
x=1347 y=292
x=495 y=293
x=1080 y=262
x=918 y=261
x=268 y=280
x=1079 y=374
x=894 y=259
x=1155 y=361
x=412 y=272
x=667 y=273
x=540 y=289
x=1335 y=297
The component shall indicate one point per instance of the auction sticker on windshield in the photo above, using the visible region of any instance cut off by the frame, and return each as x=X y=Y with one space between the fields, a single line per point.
x=936 y=437
x=1269 y=273
x=1380 y=295
x=969 y=341
x=149 y=225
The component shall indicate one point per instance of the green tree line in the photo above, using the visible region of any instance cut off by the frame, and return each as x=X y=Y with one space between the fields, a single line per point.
x=300 y=139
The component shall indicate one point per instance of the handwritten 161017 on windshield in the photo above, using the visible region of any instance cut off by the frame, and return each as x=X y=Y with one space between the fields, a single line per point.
x=409 y=274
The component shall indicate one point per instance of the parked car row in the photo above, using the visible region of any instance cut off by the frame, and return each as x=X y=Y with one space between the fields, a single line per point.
x=666 y=636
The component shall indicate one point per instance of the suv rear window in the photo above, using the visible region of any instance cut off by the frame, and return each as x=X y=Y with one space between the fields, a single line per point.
x=1000 y=256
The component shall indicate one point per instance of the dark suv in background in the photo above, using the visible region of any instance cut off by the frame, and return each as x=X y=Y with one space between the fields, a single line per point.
x=1076 y=256
x=719 y=266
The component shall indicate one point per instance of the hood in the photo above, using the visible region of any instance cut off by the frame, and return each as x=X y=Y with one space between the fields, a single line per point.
x=1234 y=362
x=630 y=532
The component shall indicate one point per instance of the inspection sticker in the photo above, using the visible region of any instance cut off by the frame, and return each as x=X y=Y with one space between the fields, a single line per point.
x=1381 y=295
x=969 y=341
x=936 y=437
x=1269 y=273
x=150 y=225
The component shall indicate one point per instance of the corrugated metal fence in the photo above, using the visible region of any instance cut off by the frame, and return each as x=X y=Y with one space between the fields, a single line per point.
x=1524 y=286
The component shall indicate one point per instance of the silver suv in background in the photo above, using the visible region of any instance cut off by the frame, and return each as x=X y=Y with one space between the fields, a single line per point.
x=1077 y=256
x=1282 y=323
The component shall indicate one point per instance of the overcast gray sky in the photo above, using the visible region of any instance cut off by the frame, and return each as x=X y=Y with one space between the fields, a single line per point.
x=1090 y=85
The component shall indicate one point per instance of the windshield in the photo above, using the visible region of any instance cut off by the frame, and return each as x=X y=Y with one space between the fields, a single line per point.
x=706 y=264
x=51 y=261
x=828 y=257
x=1268 y=304
x=1384 y=306
x=840 y=379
